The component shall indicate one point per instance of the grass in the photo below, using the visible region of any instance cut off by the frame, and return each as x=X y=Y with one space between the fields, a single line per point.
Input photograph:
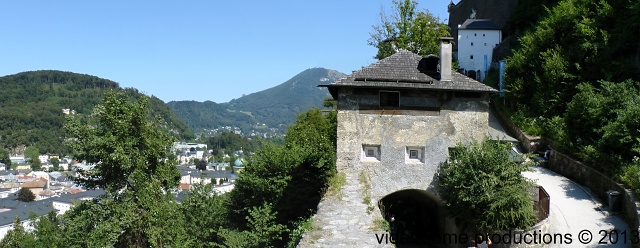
x=380 y=224
x=303 y=226
x=336 y=182
x=366 y=198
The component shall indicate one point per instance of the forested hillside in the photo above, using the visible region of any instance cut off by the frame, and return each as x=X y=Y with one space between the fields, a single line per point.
x=281 y=104
x=32 y=103
x=574 y=78
x=209 y=115
x=277 y=107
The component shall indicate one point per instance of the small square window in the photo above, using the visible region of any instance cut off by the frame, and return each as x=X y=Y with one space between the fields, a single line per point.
x=475 y=34
x=485 y=44
x=483 y=35
x=471 y=56
x=370 y=153
x=413 y=154
x=471 y=43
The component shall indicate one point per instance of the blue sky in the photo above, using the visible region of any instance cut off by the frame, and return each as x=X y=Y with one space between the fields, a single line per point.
x=191 y=50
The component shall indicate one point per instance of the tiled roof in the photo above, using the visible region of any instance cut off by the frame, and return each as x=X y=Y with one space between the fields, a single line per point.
x=8 y=217
x=401 y=71
x=34 y=184
x=69 y=198
x=485 y=24
x=25 y=209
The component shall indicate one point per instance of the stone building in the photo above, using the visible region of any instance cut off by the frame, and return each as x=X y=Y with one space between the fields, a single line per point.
x=397 y=120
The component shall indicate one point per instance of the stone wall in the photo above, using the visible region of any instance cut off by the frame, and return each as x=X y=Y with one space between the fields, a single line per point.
x=459 y=120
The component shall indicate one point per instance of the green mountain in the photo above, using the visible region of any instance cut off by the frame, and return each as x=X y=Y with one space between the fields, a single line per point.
x=281 y=104
x=210 y=115
x=275 y=107
x=32 y=103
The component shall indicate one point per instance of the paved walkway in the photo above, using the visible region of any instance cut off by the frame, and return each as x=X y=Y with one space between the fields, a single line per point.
x=573 y=210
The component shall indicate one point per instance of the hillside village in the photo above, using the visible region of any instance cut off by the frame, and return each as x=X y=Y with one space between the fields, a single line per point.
x=55 y=191
x=378 y=161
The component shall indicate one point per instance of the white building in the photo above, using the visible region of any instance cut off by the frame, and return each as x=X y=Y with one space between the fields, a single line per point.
x=63 y=166
x=476 y=40
x=43 y=158
x=17 y=159
x=187 y=146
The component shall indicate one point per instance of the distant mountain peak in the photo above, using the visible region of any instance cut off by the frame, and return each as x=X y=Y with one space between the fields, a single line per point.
x=278 y=105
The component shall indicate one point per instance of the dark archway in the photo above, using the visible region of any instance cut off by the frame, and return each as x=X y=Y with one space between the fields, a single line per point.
x=416 y=218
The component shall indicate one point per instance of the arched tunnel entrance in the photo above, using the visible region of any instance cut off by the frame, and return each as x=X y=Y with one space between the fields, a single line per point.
x=416 y=218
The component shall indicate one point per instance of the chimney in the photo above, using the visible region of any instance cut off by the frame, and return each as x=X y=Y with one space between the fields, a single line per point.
x=445 y=59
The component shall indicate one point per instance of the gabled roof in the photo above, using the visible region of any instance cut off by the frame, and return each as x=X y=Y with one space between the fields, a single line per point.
x=484 y=24
x=401 y=70
x=69 y=198
x=34 y=184
x=8 y=217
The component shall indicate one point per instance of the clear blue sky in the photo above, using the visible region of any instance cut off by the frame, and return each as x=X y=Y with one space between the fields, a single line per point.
x=191 y=50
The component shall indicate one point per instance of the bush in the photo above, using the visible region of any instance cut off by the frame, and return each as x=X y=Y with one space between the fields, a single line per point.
x=485 y=189
x=25 y=195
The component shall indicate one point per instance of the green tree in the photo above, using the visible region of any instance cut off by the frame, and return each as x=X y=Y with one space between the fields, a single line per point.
x=205 y=213
x=291 y=177
x=577 y=41
x=485 y=189
x=47 y=231
x=201 y=164
x=263 y=230
x=237 y=239
x=603 y=124
x=35 y=164
x=262 y=221
x=408 y=29
x=31 y=154
x=4 y=157
x=130 y=157
x=56 y=164
x=17 y=237
x=25 y=195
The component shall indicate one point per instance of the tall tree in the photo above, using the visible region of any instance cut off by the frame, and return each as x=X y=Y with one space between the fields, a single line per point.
x=409 y=29
x=130 y=157
x=47 y=231
x=290 y=177
x=17 y=237
x=205 y=212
